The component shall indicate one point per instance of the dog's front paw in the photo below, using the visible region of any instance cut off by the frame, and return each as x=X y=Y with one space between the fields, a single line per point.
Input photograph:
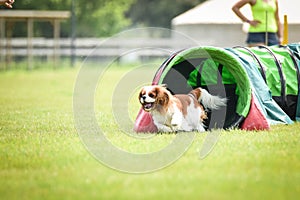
x=176 y=123
x=175 y=127
x=163 y=128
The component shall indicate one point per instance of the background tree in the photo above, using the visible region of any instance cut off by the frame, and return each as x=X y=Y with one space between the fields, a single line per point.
x=158 y=13
x=96 y=18
x=103 y=18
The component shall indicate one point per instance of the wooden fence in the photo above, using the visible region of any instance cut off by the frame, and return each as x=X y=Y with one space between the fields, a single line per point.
x=137 y=48
x=7 y=22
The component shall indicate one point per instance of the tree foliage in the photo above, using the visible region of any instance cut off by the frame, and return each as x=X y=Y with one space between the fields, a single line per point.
x=101 y=18
x=159 y=13
x=96 y=18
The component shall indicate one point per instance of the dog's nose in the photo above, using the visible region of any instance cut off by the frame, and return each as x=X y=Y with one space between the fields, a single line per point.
x=144 y=97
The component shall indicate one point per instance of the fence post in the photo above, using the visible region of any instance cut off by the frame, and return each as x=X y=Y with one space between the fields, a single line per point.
x=2 y=43
x=73 y=34
x=29 y=43
x=56 y=32
x=9 y=52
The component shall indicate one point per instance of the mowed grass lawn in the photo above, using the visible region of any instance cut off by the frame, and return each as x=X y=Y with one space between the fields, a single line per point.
x=42 y=156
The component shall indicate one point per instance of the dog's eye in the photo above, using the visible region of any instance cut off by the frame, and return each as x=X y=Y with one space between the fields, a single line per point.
x=151 y=95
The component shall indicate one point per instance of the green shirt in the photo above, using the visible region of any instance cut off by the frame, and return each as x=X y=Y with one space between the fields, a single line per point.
x=265 y=13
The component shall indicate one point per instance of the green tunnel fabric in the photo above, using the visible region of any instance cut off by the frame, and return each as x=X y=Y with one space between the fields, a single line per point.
x=289 y=70
x=273 y=78
x=280 y=66
x=232 y=65
x=267 y=72
x=295 y=50
x=209 y=74
x=270 y=108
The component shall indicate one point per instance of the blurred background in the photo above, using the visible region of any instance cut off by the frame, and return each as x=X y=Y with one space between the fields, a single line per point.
x=68 y=31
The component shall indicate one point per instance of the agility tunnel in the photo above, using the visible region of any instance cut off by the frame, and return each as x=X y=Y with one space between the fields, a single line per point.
x=261 y=84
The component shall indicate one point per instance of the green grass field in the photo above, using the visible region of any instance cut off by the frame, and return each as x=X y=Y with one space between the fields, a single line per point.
x=42 y=156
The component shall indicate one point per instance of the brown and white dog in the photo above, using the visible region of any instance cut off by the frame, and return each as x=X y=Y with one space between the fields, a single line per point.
x=180 y=112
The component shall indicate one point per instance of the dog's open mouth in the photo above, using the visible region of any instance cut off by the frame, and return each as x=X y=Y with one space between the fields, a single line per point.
x=148 y=106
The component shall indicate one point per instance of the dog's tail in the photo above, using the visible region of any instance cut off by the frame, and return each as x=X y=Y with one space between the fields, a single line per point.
x=208 y=100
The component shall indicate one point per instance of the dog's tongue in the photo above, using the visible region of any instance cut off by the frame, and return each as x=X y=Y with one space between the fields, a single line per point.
x=148 y=105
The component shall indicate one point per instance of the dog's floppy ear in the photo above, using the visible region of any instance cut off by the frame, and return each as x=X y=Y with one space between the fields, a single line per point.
x=141 y=93
x=162 y=96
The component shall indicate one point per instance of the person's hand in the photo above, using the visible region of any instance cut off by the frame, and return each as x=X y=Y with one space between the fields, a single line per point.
x=254 y=22
x=7 y=3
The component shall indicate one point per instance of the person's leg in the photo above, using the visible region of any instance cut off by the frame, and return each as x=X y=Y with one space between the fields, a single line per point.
x=272 y=39
x=255 y=39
